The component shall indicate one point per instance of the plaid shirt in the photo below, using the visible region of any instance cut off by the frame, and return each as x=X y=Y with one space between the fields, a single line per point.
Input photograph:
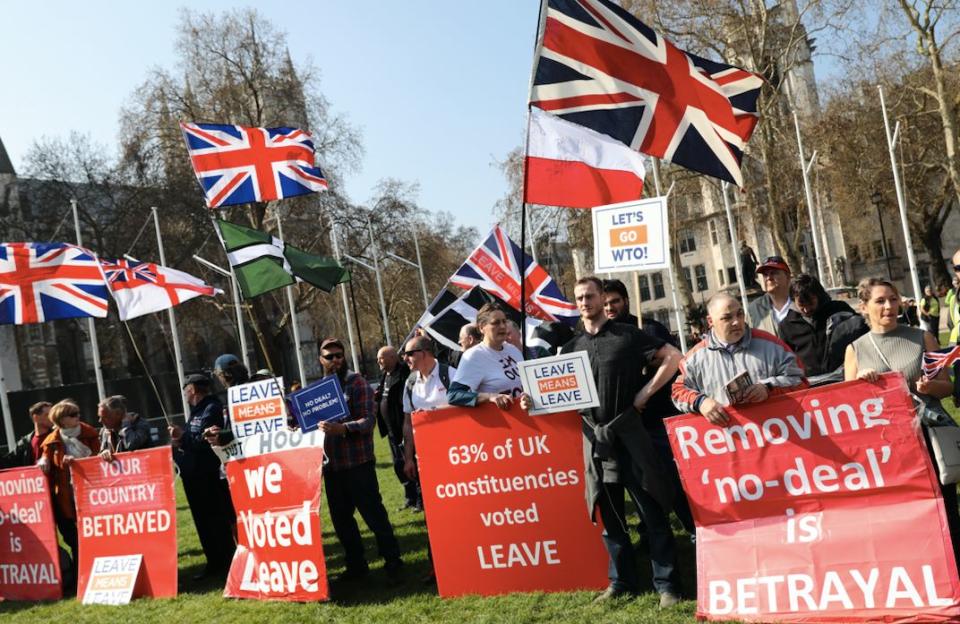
x=356 y=446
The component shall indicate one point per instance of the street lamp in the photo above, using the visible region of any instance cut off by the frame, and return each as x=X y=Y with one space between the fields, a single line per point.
x=877 y=198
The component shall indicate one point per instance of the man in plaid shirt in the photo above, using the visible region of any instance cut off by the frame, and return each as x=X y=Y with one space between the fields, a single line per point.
x=350 y=474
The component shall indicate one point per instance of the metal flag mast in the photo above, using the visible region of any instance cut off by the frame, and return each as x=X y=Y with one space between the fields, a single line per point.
x=805 y=167
x=733 y=244
x=94 y=345
x=678 y=314
x=177 y=353
x=293 y=309
x=238 y=302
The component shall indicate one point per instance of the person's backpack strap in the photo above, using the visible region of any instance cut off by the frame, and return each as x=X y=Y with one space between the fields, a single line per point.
x=408 y=386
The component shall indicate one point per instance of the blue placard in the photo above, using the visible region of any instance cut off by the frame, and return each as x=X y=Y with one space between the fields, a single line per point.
x=321 y=401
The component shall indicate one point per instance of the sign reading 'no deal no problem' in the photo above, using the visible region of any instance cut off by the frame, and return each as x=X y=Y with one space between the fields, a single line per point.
x=256 y=407
x=504 y=500
x=29 y=562
x=818 y=506
x=559 y=383
x=127 y=507
x=632 y=236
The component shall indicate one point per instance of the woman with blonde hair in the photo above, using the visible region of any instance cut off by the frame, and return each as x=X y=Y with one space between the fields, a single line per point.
x=69 y=440
x=894 y=346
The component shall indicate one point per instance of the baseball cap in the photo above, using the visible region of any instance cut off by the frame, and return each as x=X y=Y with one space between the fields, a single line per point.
x=774 y=263
x=331 y=342
x=225 y=360
x=196 y=378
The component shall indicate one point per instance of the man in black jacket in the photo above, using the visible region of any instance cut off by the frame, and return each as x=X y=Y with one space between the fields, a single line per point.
x=27 y=450
x=388 y=400
x=819 y=329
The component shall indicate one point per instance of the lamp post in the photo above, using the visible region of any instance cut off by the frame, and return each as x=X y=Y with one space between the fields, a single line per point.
x=877 y=199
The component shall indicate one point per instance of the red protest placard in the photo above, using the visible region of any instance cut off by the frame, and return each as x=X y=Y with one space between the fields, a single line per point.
x=821 y=505
x=29 y=560
x=279 y=548
x=127 y=507
x=504 y=498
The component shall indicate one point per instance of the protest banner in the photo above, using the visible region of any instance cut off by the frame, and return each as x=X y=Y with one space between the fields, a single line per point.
x=321 y=401
x=279 y=547
x=504 y=499
x=631 y=236
x=29 y=559
x=127 y=507
x=112 y=580
x=256 y=407
x=559 y=383
x=280 y=440
x=821 y=505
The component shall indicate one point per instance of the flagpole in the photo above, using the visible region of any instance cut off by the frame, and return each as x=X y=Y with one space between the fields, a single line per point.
x=805 y=166
x=423 y=280
x=293 y=312
x=346 y=304
x=733 y=245
x=177 y=353
x=677 y=312
x=5 y=405
x=901 y=200
x=375 y=251
x=237 y=302
x=94 y=345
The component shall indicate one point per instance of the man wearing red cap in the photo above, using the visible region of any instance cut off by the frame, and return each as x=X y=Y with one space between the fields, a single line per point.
x=769 y=309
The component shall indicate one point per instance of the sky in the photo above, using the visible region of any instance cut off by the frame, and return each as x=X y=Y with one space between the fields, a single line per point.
x=437 y=90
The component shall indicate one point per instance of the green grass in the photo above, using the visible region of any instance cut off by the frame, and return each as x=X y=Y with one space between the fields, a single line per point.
x=371 y=601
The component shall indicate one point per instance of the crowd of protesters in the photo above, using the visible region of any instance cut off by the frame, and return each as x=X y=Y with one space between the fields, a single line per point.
x=793 y=336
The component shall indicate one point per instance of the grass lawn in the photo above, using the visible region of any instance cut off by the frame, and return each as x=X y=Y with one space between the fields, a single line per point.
x=371 y=601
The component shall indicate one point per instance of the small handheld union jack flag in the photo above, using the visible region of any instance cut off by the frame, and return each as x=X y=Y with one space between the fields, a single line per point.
x=239 y=165
x=936 y=361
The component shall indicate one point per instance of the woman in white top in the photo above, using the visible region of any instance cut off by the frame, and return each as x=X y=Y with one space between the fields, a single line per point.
x=488 y=372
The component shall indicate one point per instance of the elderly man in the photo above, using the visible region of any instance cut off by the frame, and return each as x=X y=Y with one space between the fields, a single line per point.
x=468 y=338
x=350 y=475
x=389 y=404
x=618 y=455
x=768 y=310
x=426 y=389
x=27 y=450
x=734 y=364
x=122 y=430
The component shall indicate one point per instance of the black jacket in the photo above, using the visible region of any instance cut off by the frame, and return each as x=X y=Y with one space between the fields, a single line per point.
x=21 y=455
x=820 y=341
x=391 y=423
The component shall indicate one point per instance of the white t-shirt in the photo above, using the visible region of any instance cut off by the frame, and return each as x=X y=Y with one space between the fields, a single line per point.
x=781 y=313
x=427 y=393
x=484 y=370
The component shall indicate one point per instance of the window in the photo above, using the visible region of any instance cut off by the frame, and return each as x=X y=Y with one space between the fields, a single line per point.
x=720 y=276
x=855 y=253
x=701 y=273
x=732 y=275
x=686 y=278
x=644 y=288
x=688 y=241
x=658 y=292
x=712 y=225
x=663 y=315
x=878 y=249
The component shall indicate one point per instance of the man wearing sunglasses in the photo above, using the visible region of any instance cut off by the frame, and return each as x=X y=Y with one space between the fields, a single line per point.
x=350 y=474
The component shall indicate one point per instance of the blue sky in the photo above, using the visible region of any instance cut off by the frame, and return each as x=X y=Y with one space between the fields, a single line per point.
x=437 y=89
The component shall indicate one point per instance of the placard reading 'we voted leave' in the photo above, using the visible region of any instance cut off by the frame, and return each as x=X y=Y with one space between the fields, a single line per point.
x=559 y=383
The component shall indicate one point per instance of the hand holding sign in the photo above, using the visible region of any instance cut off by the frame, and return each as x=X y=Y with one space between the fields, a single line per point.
x=558 y=384
x=321 y=402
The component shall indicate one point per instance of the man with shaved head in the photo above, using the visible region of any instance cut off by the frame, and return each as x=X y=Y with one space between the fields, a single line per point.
x=389 y=405
x=733 y=364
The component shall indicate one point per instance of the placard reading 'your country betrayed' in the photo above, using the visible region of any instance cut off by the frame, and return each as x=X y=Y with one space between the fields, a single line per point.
x=504 y=499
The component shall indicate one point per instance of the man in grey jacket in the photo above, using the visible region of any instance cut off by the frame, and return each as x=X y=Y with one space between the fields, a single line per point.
x=769 y=309
x=710 y=373
x=122 y=430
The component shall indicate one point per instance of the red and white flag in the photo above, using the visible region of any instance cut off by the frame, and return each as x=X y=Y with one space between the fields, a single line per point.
x=143 y=287
x=573 y=166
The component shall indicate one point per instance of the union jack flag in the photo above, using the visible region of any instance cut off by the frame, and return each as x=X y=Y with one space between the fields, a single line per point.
x=495 y=267
x=238 y=165
x=42 y=282
x=143 y=287
x=600 y=67
x=935 y=361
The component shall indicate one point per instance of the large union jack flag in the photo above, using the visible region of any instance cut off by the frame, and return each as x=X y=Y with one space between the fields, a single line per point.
x=238 y=165
x=495 y=267
x=42 y=282
x=936 y=361
x=143 y=287
x=600 y=67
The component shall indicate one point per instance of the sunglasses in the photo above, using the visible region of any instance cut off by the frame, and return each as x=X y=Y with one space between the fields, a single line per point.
x=332 y=356
x=410 y=352
x=956 y=267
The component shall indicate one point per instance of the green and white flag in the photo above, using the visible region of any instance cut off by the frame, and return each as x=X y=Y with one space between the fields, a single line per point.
x=263 y=262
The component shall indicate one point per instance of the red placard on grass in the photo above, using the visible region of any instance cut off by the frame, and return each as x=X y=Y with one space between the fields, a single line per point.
x=127 y=507
x=504 y=499
x=29 y=560
x=818 y=506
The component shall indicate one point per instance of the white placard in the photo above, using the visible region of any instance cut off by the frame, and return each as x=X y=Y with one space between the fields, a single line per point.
x=257 y=407
x=112 y=580
x=631 y=236
x=272 y=442
x=559 y=383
